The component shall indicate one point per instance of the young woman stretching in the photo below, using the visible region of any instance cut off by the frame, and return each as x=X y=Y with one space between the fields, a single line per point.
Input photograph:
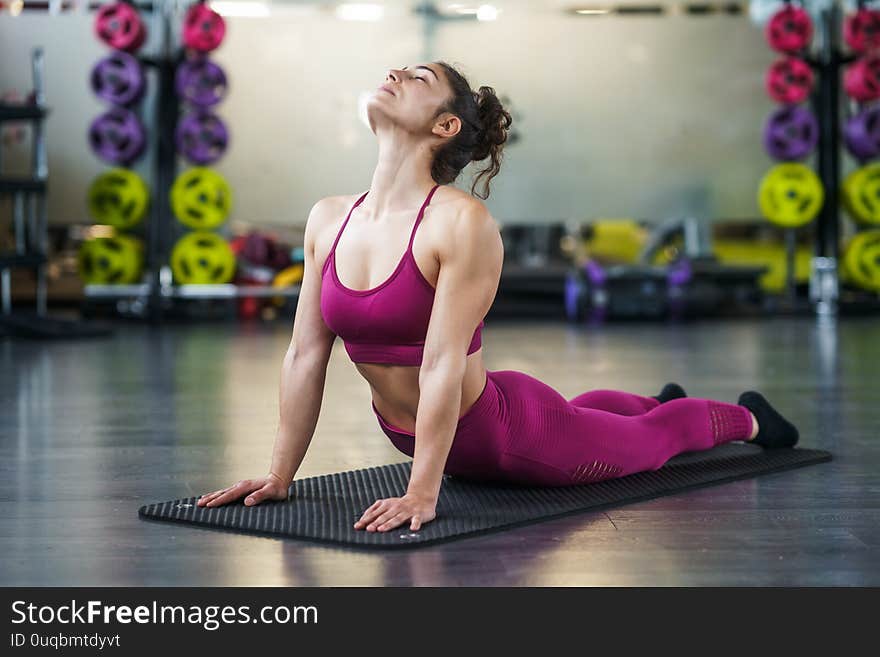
x=411 y=324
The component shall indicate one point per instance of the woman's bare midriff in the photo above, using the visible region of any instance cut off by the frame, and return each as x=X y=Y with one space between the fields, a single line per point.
x=395 y=389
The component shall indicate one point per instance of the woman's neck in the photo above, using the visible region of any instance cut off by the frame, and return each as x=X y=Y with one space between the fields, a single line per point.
x=401 y=179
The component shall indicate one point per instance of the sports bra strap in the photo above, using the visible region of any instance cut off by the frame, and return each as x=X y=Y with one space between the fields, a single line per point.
x=342 y=228
x=412 y=235
x=358 y=202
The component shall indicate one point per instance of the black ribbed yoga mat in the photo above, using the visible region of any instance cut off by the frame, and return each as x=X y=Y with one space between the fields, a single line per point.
x=325 y=507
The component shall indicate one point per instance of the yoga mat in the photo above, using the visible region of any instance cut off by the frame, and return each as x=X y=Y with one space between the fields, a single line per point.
x=325 y=507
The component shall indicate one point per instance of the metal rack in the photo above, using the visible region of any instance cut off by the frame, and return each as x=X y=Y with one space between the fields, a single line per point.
x=828 y=62
x=153 y=298
x=824 y=281
x=31 y=226
x=28 y=197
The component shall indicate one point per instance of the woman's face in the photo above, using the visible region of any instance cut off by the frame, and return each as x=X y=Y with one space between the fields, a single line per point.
x=409 y=97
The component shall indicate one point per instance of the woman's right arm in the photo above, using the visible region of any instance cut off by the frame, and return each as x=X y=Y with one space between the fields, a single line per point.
x=303 y=373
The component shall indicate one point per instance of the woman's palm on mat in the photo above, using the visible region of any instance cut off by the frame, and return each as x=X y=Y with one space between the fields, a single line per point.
x=383 y=515
x=386 y=514
x=270 y=487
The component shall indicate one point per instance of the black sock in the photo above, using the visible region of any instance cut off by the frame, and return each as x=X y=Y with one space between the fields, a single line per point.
x=773 y=429
x=670 y=391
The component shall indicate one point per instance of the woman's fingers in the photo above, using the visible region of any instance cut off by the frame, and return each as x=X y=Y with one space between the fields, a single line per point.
x=230 y=494
x=396 y=521
x=204 y=499
x=370 y=513
x=367 y=517
x=390 y=513
x=258 y=495
x=260 y=490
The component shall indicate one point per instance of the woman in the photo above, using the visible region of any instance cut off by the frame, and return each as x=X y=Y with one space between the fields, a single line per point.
x=412 y=326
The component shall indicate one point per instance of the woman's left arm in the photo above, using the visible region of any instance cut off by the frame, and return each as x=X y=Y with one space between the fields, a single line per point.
x=470 y=268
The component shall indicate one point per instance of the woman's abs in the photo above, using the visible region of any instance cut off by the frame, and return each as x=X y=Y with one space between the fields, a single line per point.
x=395 y=389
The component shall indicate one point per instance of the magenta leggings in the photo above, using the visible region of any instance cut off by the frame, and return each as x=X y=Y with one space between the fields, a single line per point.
x=521 y=430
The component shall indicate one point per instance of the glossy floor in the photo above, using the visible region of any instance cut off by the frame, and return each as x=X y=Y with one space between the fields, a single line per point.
x=92 y=429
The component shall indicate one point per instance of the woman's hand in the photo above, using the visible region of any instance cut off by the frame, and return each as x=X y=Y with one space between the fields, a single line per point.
x=270 y=487
x=392 y=512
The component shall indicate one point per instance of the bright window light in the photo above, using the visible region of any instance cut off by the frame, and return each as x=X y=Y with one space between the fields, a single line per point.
x=241 y=9
x=487 y=13
x=360 y=12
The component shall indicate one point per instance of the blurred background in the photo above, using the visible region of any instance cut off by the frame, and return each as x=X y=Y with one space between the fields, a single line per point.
x=690 y=192
x=639 y=137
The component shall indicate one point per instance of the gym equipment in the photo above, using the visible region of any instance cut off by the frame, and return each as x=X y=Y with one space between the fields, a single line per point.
x=769 y=254
x=861 y=260
x=201 y=137
x=203 y=28
x=535 y=267
x=613 y=240
x=118 y=197
x=200 y=82
x=116 y=260
x=117 y=136
x=201 y=198
x=861 y=80
x=791 y=133
x=861 y=30
x=202 y=257
x=789 y=80
x=262 y=249
x=789 y=30
x=324 y=508
x=862 y=134
x=248 y=273
x=790 y=195
x=248 y=307
x=675 y=275
x=119 y=26
x=861 y=194
x=118 y=78
x=287 y=278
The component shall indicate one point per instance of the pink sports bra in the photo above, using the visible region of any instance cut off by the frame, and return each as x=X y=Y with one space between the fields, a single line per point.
x=387 y=323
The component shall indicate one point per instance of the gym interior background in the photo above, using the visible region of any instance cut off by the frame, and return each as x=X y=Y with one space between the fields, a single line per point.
x=678 y=201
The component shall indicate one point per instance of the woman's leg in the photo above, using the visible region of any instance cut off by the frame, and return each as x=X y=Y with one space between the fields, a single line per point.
x=553 y=442
x=615 y=401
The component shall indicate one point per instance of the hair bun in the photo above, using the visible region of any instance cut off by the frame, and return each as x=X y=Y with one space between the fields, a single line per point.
x=494 y=120
x=484 y=125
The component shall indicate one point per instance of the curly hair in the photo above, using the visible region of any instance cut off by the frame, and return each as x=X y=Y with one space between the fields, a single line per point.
x=484 y=129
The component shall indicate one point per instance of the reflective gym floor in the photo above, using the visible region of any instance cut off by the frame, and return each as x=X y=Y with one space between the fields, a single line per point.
x=90 y=430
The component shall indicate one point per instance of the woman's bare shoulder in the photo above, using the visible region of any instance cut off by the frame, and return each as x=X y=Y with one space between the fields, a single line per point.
x=328 y=211
x=455 y=205
x=328 y=207
x=456 y=209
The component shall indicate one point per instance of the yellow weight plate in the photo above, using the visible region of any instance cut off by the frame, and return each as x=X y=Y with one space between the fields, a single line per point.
x=861 y=260
x=115 y=260
x=118 y=197
x=790 y=195
x=202 y=257
x=861 y=194
x=201 y=198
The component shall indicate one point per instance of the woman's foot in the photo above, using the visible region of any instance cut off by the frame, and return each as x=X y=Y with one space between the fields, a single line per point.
x=773 y=429
x=670 y=391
